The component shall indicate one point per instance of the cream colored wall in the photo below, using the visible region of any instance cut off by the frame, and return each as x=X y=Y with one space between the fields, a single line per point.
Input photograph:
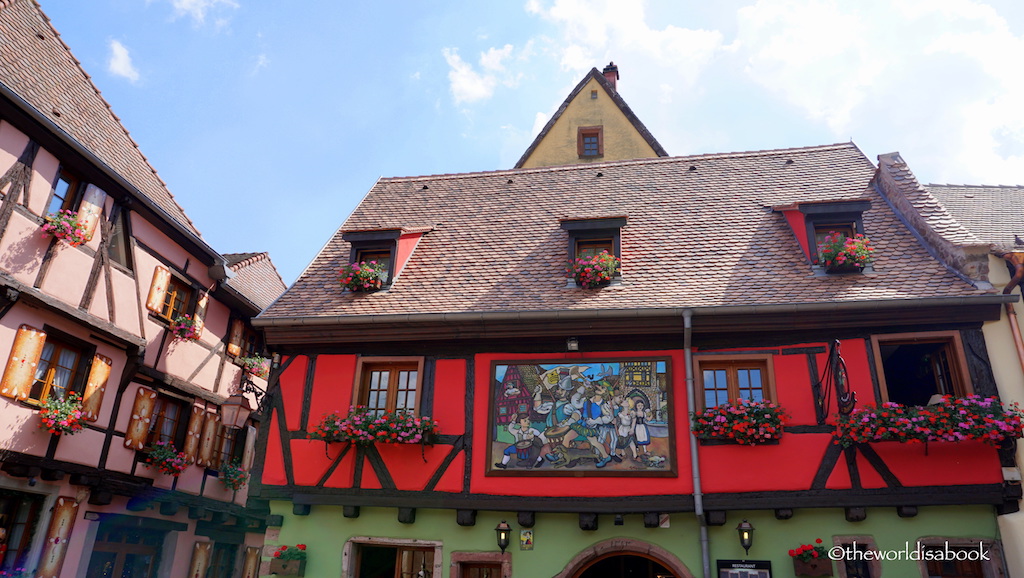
x=621 y=139
x=1010 y=380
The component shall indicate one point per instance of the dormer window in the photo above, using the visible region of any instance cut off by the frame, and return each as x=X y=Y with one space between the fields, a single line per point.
x=377 y=246
x=812 y=222
x=589 y=237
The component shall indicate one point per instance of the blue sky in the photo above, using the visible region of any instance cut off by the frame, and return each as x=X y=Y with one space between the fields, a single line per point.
x=270 y=120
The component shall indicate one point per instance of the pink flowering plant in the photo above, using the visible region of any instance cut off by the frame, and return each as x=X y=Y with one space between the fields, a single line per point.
x=953 y=419
x=61 y=415
x=233 y=475
x=185 y=328
x=839 y=251
x=165 y=458
x=742 y=421
x=592 y=272
x=809 y=552
x=363 y=425
x=65 y=225
x=363 y=276
x=256 y=365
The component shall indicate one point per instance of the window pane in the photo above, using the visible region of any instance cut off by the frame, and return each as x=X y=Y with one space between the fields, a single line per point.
x=118 y=247
x=750 y=384
x=716 y=387
x=65 y=187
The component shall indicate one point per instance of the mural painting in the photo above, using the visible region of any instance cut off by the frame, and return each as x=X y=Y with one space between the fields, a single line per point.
x=608 y=417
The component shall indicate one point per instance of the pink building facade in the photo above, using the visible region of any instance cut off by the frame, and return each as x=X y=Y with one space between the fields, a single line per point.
x=91 y=313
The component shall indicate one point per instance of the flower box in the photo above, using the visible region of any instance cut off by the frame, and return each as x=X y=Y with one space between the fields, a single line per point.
x=838 y=253
x=66 y=226
x=365 y=426
x=61 y=415
x=596 y=271
x=363 y=276
x=288 y=567
x=186 y=328
x=740 y=422
x=165 y=458
x=817 y=567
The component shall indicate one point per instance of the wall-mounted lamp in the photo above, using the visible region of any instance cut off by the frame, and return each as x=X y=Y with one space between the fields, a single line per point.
x=572 y=344
x=235 y=410
x=746 y=532
x=504 y=531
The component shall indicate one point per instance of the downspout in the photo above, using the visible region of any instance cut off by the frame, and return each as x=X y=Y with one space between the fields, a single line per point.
x=691 y=400
x=1016 y=260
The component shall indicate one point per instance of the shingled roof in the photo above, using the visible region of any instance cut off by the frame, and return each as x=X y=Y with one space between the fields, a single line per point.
x=256 y=277
x=700 y=233
x=39 y=67
x=992 y=214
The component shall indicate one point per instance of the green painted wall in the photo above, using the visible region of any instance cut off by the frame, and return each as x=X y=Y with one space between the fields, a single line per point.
x=557 y=537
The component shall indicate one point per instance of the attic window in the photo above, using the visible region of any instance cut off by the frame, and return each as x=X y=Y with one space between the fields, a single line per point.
x=379 y=246
x=590 y=237
x=590 y=142
x=811 y=222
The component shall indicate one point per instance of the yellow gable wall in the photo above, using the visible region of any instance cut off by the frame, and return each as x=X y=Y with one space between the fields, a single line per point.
x=621 y=139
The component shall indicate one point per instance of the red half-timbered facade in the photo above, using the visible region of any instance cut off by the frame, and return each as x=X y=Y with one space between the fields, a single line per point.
x=123 y=332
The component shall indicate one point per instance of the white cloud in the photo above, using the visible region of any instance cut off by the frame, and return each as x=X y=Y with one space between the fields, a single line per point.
x=262 y=61
x=120 y=63
x=491 y=60
x=198 y=9
x=466 y=84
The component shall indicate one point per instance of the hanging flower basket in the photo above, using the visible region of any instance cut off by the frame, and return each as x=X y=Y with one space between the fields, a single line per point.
x=65 y=226
x=365 y=426
x=62 y=415
x=185 y=328
x=741 y=421
x=363 y=276
x=953 y=420
x=841 y=254
x=233 y=476
x=594 y=272
x=165 y=458
x=256 y=365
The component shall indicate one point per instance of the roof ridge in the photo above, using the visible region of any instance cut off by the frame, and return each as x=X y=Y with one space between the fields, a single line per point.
x=588 y=166
x=975 y=186
x=248 y=261
x=99 y=94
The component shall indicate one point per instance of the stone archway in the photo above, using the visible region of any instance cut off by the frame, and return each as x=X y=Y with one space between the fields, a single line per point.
x=624 y=546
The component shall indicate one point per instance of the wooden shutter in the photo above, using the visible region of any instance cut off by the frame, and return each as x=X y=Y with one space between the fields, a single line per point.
x=252 y=562
x=158 y=289
x=249 y=451
x=195 y=431
x=201 y=305
x=65 y=510
x=92 y=399
x=200 y=559
x=20 y=372
x=208 y=442
x=235 y=339
x=91 y=209
x=142 y=416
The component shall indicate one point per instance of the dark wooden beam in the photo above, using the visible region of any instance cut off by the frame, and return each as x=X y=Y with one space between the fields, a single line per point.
x=407 y=515
x=783 y=513
x=856 y=514
x=715 y=517
x=652 y=520
x=465 y=517
x=588 y=521
x=526 y=519
x=301 y=509
x=350 y=511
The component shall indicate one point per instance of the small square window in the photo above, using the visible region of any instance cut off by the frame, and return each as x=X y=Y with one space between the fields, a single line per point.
x=176 y=299
x=381 y=256
x=167 y=422
x=390 y=385
x=590 y=141
x=588 y=248
x=63 y=195
x=724 y=379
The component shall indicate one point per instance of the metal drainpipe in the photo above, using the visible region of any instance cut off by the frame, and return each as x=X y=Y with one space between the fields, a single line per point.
x=698 y=494
x=1016 y=260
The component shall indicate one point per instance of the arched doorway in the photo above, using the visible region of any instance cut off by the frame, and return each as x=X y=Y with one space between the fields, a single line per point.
x=626 y=558
x=625 y=566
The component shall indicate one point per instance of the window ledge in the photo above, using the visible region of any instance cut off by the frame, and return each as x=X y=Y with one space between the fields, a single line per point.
x=820 y=271
x=730 y=442
x=572 y=284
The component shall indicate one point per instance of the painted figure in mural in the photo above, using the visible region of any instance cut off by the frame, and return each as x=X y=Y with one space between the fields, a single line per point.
x=626 y=420
x=529 y=447
x=585 y=425
x=607 y=427
x=642 y=432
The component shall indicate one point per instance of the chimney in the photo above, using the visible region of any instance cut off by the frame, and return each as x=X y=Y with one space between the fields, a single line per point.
x=611 y=72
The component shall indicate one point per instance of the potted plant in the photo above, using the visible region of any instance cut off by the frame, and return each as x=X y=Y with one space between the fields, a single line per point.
x=233 y=475
x=811 y=560
x=163 y=456
x=62 y=415
x=596 y=271
x=65 y=225
x=185 y=328
x=363 y=276
x=952 y=419
x=288 y=561
x=365 y=426
x=838 y=253
x=741 y=421
x=256 y=365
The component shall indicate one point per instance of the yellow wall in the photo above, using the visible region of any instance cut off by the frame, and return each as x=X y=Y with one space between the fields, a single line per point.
x=1010 y=380
x=621 y=139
